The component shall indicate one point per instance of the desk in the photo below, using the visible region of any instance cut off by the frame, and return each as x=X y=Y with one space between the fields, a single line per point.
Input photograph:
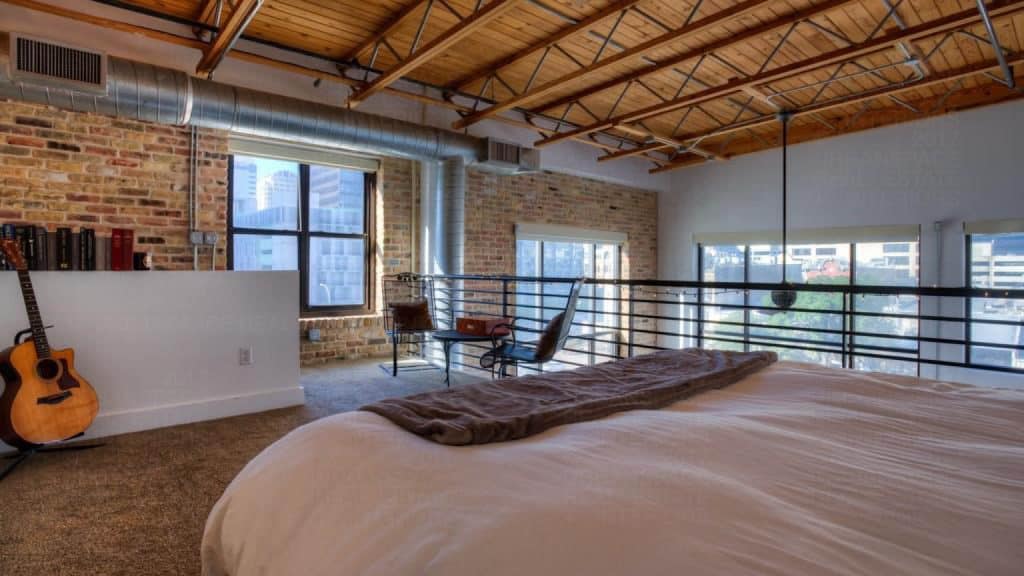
x=448 y=338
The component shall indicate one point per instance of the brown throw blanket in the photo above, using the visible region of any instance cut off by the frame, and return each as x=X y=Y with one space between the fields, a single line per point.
x=519 y=407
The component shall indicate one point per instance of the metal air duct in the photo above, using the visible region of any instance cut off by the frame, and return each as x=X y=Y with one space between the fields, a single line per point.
x=150 y=93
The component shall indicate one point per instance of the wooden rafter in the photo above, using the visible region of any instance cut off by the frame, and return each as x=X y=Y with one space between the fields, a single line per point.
x=208 y=11
x=684 y=33
x=226 y=37
x=388 y=28
x=934 y=80
x=933 y=106
x=726 y=42
x=421 y=56
x=579 y=28
x=880 y=44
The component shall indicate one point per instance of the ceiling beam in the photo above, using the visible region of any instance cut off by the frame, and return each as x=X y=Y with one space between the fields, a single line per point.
x=226 y=37
x=431 y=50
x=879 y=44
x=726 y=42
x=924 y=82
x=384 y=32
x=679 y=35
x=562 y=35
x=208 y=11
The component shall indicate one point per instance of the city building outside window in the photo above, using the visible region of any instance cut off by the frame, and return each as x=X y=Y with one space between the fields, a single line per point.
x=287 y=215
x=997 y=262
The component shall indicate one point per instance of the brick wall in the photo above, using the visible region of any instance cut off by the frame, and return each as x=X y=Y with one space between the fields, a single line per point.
x=69 y=169
x=495 y=204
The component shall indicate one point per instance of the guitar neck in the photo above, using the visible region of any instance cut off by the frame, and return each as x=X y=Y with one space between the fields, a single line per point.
x=35 y=320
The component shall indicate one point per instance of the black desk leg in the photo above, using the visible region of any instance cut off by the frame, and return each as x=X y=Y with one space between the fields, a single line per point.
x=447 y=363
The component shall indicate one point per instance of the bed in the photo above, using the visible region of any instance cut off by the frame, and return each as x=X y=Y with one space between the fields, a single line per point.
x=795 y=469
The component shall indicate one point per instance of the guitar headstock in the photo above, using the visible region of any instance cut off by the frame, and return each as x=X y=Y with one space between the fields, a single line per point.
x=12 y=250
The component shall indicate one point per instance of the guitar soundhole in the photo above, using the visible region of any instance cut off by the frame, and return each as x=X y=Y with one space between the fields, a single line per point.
x=48 y=369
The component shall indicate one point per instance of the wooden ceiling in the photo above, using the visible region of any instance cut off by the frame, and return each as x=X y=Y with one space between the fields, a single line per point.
x=677 y=82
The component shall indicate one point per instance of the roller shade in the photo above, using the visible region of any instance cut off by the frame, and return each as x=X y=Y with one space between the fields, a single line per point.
x=300 y=153
x=994 y=227
x=847 y=235
x=529 y=231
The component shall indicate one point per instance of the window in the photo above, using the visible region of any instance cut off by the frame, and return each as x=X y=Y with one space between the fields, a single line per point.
x=728 y=322
x=316 y=219
x=996 y=261
x=596 y=324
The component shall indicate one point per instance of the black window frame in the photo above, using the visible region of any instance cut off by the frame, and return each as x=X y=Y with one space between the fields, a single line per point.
x=969 y=320
x=304 y=235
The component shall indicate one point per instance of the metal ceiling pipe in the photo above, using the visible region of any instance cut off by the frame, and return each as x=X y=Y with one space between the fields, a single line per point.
x=148 y=93
x=453 y=194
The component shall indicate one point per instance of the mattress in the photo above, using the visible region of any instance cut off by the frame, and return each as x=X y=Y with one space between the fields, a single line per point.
x=794 y=470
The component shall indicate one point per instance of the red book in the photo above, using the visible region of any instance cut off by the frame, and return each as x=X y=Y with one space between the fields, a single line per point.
x=127 y=249
x=117 y=249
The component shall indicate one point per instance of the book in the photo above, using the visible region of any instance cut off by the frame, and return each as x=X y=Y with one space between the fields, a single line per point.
x=76 y=256
x=42 y=247
x=102 y=251
x=6 y=233
x=64 y=248
x=87 y=246
x=116 y=249
x=127 y=249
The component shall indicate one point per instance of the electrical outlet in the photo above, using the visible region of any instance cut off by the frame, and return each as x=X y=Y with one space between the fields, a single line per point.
x=245 y=356
x=195 y=237
x=210 y=238
x=313 y=335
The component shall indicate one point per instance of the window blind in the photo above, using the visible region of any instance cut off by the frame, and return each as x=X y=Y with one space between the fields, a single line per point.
x=553 y=232
x=300 y=153
x=845 y=235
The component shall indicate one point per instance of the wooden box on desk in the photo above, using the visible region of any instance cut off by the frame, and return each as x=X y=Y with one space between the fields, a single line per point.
x=482 y=325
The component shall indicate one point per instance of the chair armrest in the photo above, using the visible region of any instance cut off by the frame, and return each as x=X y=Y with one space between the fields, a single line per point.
x=511 y=330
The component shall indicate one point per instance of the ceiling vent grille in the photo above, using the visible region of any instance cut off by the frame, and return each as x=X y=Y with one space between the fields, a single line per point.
x=508 y=158
x=37 y=60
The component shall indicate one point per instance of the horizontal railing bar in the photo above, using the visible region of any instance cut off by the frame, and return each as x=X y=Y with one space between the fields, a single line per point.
x=949 y=292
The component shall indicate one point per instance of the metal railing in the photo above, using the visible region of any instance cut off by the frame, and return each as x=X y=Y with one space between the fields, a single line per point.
x=944 y=333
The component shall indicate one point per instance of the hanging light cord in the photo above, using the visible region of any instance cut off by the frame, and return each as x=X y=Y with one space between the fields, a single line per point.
x=784 y=116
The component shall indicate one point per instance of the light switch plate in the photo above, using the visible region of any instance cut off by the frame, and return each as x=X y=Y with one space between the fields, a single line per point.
x=313 y=335
x=210 y=238
x=196 y=237
x=245 y=356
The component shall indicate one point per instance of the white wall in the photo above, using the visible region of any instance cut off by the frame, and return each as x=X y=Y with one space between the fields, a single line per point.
x=162 y=348
x=955 y=168
x=567 y=157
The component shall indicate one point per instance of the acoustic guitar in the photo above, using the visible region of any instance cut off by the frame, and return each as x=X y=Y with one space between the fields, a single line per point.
x=45 y=399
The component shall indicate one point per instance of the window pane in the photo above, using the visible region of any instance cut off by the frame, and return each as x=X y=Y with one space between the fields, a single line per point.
x=252 y=252
x=807 y=264
x=337 y=268
x=997 y=261
x=568 y=260
x=336 y=200
x=886 y=264
x=723 y=264
x=265 y=193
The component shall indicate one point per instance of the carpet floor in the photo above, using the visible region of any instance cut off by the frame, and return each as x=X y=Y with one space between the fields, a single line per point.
x=138 y=504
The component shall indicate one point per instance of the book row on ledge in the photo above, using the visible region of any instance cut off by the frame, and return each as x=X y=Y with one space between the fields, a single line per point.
x=65 y=249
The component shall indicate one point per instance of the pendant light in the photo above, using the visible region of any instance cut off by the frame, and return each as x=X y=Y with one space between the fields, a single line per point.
x=784 y=298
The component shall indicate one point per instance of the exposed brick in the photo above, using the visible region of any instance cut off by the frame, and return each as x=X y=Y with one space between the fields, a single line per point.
x=33 y=121
x=26 y=141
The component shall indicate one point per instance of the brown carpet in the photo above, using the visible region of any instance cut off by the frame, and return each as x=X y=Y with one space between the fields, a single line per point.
x=138 y=505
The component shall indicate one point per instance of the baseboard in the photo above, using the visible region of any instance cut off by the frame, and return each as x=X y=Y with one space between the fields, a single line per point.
x=123 y=422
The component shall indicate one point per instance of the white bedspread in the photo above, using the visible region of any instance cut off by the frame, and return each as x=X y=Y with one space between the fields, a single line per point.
x=794 y=470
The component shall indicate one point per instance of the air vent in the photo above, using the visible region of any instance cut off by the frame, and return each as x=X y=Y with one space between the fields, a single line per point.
x=39 y=60
x=508 y=158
